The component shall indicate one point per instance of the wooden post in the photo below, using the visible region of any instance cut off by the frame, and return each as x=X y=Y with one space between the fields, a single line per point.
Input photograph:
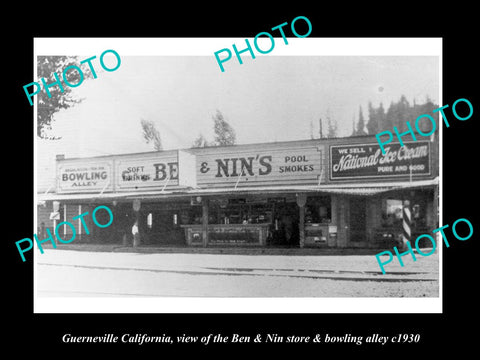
x=136 y=210
x=301 y=225
x=333 y=220
x=343 y=216
x=205 y=222
x=301 y=201
x=436 y=219
x=65 y=219
x=80 y=222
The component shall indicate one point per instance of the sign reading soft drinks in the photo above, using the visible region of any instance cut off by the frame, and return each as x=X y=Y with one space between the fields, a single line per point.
x=367 y=160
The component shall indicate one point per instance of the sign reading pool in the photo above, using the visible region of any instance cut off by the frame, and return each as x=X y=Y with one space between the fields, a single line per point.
x=367 y=160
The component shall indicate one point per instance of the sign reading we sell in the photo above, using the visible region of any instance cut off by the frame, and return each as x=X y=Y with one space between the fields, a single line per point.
x=285 y=163
x=84 y=176
x=367 y=161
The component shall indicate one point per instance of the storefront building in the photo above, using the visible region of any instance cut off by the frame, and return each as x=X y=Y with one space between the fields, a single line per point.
x=332 y=193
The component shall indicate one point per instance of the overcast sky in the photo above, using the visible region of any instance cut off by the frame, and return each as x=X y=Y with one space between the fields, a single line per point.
x=270 y=98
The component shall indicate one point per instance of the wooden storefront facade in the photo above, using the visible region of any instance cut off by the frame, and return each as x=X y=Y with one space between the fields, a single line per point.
x=329 y=193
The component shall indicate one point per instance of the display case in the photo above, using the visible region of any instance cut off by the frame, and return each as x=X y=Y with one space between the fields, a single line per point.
x=228 y=234
x=316 y=234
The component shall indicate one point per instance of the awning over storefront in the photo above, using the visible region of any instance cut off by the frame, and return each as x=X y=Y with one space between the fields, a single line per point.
x=364 y=189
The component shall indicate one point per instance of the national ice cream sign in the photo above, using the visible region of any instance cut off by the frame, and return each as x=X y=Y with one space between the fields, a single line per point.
x=367 y=160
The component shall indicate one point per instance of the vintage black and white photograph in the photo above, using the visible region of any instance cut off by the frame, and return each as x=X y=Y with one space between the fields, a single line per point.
x=160 y=177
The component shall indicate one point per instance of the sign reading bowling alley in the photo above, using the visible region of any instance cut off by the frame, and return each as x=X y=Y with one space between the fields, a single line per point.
x=367 y=161
x=81 y=176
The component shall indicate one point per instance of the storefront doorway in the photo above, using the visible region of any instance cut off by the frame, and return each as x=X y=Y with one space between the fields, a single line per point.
x=358 y=212
x=162 y=227
x=286 y=230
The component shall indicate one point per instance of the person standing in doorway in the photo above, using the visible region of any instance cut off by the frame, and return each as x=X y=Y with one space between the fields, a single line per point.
x=136 y=234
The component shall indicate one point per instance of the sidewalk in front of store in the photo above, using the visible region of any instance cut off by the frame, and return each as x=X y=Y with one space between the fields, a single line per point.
x=234 y=250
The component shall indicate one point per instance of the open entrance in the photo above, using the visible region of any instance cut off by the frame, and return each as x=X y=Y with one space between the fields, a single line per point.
x=358 y=213
x=285 y=230
x=162 y=227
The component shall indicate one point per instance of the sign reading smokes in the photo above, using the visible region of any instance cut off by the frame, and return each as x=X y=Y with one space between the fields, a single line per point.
x=367 y=160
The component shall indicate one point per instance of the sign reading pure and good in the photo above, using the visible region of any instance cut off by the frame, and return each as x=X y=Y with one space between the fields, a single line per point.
x=367 y=161
x=78 y=176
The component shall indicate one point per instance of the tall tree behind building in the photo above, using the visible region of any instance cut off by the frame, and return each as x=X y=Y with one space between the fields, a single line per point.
x=376 y=117
x=360 y=130
x=320 y=130
x=311 y=130
x=331 y=127
x=224 y=133
x=398 y=113
x=47 y=107
x=151 y=134
x=200 y=141
x=424 y=125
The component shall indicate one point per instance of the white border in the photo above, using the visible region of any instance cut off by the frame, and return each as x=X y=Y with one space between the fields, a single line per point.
x=207 y=47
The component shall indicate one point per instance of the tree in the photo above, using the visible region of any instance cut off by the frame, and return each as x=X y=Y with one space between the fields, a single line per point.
x=200 y=141
x=331 y=127
x=398 y=114
x=47 y=107
x=151 y=134
x=224 y=133
x=373 y=119
x=403 y=113
x=380 y=115
x=417 y=110
x=311 y=130
x=360 y=124
x=320 y=130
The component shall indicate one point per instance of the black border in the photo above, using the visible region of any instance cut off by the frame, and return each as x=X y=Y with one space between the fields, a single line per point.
x=43 y=332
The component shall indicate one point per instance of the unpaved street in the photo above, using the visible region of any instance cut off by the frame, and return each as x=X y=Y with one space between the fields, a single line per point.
x=85 y=273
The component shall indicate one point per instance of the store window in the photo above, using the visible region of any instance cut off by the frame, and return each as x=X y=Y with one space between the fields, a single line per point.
x=392 y=210
x=240 y=211
x=419 y=213
x=188 y=215
x=318 y=209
